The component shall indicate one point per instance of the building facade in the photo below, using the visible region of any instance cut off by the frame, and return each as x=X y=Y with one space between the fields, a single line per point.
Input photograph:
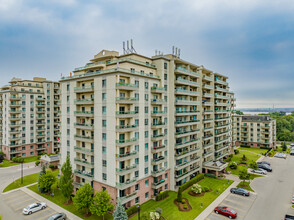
x=136 y=125
x=255 y=130
x=29 y=117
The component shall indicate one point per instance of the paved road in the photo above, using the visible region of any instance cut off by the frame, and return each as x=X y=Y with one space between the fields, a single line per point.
x=7 y=175
x=274 y=192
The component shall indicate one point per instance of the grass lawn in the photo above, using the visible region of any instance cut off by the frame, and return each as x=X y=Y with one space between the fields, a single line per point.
x=9 y=163
x=170 y=210
x=254 y=150
x=27 y=180
x=245 y=185
x=60 y=200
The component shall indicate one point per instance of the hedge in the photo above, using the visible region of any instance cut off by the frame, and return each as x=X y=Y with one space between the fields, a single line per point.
x=267 y=148
x=17 y=159
x=132 y=210
x=210 y=175
x=162 y=195
x=191 y=182
x=246 y=146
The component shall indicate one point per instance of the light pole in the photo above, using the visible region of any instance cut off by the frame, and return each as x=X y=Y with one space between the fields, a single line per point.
x=138 y=212
x=22 y=172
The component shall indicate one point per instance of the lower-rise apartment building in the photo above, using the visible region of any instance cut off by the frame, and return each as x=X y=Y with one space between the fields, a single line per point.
x=29 y=117
x=136 y=125
x=255 y=130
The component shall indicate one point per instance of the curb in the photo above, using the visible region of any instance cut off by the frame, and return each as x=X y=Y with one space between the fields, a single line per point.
x=13 y=190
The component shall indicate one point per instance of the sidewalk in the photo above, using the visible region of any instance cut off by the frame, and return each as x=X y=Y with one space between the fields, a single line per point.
x=216 y=202
x=50 y=204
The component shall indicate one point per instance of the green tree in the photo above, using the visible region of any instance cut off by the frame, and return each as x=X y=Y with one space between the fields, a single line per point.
x=119 y=213
x=244 y=175
x=284 y=146
x=47 y=180
x=244 y=158
x=42 y=172
x=238 y=112
x=101 y=203
x=66 y=180
x=179 y=197
x=196 y=188
x=253 y=165
x=83 y=198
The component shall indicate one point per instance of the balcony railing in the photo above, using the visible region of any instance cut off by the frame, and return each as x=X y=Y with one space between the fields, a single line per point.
x=126 y=154
x=126 y=141
x=126 y=168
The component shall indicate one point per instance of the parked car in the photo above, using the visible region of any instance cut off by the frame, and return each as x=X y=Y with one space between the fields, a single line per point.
x=264 y=162
x=223 y=210
x=265 y=167
x=292 y=144
x=58 y=216
x=289 y=217
x=281 y=155
x=240 y=191
x=34 y=208
x=292 y=200
x=259 y=171
x=292 y=152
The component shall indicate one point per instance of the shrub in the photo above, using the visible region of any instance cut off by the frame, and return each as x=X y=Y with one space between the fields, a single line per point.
x=185 y=206
x=266 y=148
x=51 y=166
x=230 y=156
x=244 y=158
x=158 y=210
x=233 y=165
x=246 y=146
x=236 y=151
x=179 y=196
x=192 y=181
x=210 y=175
x=253 y=165
x=196 y=188
x=162 y=195
x=205 y=189
x=132 y=210
x=37 y=163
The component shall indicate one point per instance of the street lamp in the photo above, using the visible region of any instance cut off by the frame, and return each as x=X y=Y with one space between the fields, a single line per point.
x=138 y=207
x=21 y=172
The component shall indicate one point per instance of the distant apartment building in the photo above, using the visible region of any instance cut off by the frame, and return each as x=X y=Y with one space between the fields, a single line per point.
x=255 y=130
x=29 y=113
x=136 y=125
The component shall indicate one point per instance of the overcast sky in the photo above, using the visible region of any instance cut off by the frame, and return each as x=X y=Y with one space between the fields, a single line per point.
x=251 y=42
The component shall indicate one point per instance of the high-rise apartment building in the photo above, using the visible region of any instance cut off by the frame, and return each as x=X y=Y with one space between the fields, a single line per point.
x=255 y=130
x=29 y=111
x=136 y=125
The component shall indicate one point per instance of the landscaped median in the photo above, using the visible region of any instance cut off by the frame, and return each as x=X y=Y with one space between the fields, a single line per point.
x=27 y=180
x=171 y=211
x=9 y=163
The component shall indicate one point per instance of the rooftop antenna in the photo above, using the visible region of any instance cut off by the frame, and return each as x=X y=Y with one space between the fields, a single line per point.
x=155 y=52
x=173 y=50
x=128 y=48
x=176 y=52
x=124 y=48
x=179 y=52
x=132 y=48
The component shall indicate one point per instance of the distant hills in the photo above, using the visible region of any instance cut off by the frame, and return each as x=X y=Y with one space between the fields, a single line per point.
x=288 y=110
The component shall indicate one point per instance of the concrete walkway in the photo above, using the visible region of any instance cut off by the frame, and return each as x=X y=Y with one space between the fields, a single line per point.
x=50 y=204
x=206 y=212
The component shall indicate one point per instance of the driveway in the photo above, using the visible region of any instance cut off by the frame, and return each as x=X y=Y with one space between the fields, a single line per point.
x=17 y=200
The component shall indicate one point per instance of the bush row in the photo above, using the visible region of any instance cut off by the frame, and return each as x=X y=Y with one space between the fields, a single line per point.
x=191 y=182
x=132 y=210
x=246 y=146
x=17 y=159
x=162 y=195
x=210 y=175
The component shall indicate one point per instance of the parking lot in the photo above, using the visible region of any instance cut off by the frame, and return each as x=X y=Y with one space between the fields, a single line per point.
x=241 y=204
x=18 y=200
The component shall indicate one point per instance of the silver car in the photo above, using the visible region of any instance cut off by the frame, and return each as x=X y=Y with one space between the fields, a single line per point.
x=260 y=171
x=58 y=216
x=34 y=208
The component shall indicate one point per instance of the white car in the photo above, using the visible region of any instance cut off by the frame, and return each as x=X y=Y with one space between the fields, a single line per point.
x=260 y=171
x=292 y=200
x=34 y=208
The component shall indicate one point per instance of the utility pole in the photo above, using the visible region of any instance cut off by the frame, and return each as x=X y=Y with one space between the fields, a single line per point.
x=22 y=172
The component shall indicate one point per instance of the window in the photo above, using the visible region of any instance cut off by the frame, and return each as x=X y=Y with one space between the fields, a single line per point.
x=103 y=150
x=146 y=109
x=67 y=87
x=103 y=136
x=137 y=148
x=68 y=121
x=146 y=97
x=165 y=186
x=165 y=66
x=132 y=70
x=136 y=173
x=103 y=83
x=136 y=160
x=146 y=195
x=146 y=170
x=23 y=155
x=137 y=200
x=146 y=121
x=32 y=153
x=137 y=96
x=104 y=176
x=146 y=146
x=103 y=96
x=67 y=98
x=165 y=76
x=137 y=83
x=165 y=176
x=23 y=148
x=137 y=187
x=146 y=134
x=146 y=85
x=104 y=110
x=32 y=147
x=68 y=109
x=146 y=158
x=146 y=183
x=104 y=163
x=103 y=123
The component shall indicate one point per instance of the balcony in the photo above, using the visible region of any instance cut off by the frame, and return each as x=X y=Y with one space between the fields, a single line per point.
x=84 y=126
x=187 y=72
x=127 y=169
x=157 y=137
x=126 y=100
x=186 y=123
x=14 y=151
x=158 y=184
x=208 y=128
x=155 y=89
x=15 y=111
x=40 y=148
x=206 y=146
x=126 y=128
x=158 y=125
x=158 y=101
x=84 y=174
x=84 y=150
x=186 y=102
x=186 y=112
x=14 y=118
x=126 y=184
x=158 y=149
x=158 y=113
x=207 y=95
x=40 y=99
x=217 y=149
x=221 y=140
x=185 y=133
x=222 y=126
x=180 y=91
x=127 y=198
x=14 y=125
x=126 y=86
x=187 y=82
x=158 y=172
x=218 y=81
x=126 y=156
x=14 y=104
x=186 y=153
x=15 y=98
x=84 y=101
x=221 y=96
x=186 y=143
x=123 y=114
x=123 y=143
x=14 y=131
x=158 y=160
x=83 y=89
x=206 y=86
x=84 y=162
x=14 y=138
x=217 y=88
x=187 y=173
x=84 y=138
x=84 y=113
x=207 y=78
x=207 y=154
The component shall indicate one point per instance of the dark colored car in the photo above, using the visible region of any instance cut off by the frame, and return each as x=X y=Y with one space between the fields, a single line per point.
x=240 y=191
x=57 y=216
x=265 y=167
x=289 y=217
x=223 y=210
x=264 y=162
